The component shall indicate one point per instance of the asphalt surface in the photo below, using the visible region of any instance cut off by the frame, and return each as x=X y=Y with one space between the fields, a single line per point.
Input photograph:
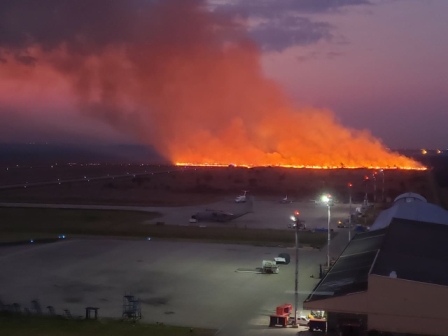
x=266 y=214
x=178 y=283
x=193 y=284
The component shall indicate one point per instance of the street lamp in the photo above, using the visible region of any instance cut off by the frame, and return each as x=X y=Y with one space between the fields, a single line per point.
x=374 y=188
x=382 y=191
x=350 y=211
x=327 y=200
x=366 y=184
x=296 y=220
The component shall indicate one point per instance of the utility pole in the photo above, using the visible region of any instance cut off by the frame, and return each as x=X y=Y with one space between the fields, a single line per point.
x=350 y=212
x=328 y=237
x=296 y=285
x=382 y=191
x=374 y=189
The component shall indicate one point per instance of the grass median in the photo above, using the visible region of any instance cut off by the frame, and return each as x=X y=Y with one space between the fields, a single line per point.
x=33 y=223
x=20 y=325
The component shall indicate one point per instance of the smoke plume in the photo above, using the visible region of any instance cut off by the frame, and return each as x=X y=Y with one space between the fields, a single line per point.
x=179 y=77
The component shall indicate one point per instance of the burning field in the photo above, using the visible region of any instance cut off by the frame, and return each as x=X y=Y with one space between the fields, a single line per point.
x=178 y=76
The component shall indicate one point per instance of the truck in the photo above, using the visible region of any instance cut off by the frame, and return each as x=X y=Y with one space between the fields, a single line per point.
x=269 y=267
x=317 y=324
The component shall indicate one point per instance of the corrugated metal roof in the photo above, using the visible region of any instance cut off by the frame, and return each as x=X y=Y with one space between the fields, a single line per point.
x=417 y=211
x=411 y=250
x=416 y=251
x=350 y=272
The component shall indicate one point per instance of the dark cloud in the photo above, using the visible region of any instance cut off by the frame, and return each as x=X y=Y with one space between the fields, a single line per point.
x=314 y=55
x=275 y=8
x=86 y=26
x=49 y=22
x=25 y=59
x=280 y=34
x=283 y=22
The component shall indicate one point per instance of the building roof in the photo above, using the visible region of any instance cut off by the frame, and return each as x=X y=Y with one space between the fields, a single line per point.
x=409 y=197
x=406 y=249
x=415 y=251
x=350 y=272
x=417 y=211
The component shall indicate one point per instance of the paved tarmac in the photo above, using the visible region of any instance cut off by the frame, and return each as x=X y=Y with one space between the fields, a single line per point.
x=179 y=283
x=194 y=284
x=266 y=214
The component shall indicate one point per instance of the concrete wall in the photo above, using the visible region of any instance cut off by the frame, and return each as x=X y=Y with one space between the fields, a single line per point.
x=404 y=306
x=333 y=320
x=395 y=305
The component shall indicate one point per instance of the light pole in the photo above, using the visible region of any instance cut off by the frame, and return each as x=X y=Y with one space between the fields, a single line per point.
x=350 y=211
x=327 y=200
x=374 y=188
x=366 y=184
x=382 y=191
x=296 y=220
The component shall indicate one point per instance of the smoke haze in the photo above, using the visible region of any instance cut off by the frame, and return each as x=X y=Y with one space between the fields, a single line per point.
x=179 y=77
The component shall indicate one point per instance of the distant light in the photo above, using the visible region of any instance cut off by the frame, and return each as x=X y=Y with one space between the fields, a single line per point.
x=424 y=151
x=350 y=185
x=148 y=238
x=296 y=213
x=31 y=241
x=439 y=151
x=325 y=199
x=63 y=236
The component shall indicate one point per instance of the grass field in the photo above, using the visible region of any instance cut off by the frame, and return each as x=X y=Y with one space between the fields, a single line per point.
x=17 y=325
x=32 y=223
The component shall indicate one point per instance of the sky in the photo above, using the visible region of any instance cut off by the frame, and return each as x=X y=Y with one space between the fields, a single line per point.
x=379 y=65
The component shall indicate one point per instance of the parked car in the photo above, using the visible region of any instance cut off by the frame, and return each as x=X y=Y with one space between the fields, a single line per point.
x=286 y=258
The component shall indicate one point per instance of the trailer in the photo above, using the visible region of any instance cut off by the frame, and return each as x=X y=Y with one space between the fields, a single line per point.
x=317 y=324
x=269 y=267
x=281 y=316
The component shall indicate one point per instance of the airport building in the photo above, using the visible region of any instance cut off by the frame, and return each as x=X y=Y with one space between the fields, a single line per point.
x=393 y=278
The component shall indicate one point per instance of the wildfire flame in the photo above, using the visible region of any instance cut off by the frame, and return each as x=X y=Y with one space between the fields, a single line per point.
x=184 y=79
x=186 y=164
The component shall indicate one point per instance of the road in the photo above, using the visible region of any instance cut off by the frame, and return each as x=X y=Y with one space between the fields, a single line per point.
x=267 y=214
x=86 y=178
